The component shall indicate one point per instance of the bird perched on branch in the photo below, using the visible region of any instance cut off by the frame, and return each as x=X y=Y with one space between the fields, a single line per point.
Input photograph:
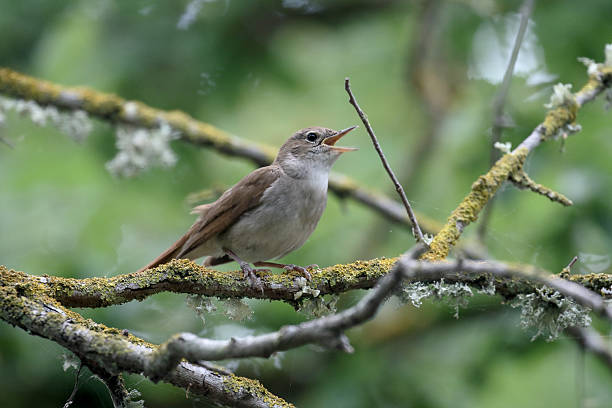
x=270 y=212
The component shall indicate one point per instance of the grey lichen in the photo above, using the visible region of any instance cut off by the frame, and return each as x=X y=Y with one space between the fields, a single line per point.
x=319 y=306
x=76 y=124
x=141 y=149
x=237 y=309
x=454 y=294
x=133 y=399
x=550 y=313
x=305 y=289
x=201 y=305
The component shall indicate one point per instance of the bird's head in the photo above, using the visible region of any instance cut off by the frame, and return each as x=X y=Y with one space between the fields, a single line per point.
x=311 y=150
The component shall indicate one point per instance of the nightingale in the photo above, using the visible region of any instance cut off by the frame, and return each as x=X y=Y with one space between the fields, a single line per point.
x=269 y=213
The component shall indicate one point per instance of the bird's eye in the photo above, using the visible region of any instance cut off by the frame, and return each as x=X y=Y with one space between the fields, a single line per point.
x=311 y=137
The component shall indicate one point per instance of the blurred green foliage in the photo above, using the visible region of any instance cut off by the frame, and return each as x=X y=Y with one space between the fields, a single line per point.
x=261 y=70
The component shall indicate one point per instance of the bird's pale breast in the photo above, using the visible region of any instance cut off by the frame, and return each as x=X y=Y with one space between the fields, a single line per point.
x=287 y=216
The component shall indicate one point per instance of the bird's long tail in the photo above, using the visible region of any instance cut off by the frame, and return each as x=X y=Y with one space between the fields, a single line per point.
x=173 y=252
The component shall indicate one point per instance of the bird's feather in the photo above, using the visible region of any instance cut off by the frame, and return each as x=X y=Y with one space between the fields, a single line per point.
x=218 y=216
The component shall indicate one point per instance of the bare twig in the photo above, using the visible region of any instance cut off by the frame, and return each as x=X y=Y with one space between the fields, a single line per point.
x=498 y=106
x=77 y=374
x=500 y=98
x=116 y=388
x=572 y=262
x=416 y=230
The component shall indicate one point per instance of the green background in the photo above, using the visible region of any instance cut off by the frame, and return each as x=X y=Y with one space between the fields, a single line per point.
x=262 y=70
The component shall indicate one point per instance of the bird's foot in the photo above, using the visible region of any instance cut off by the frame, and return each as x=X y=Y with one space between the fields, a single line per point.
x=301 y=269
x=251 y=276
x=289 y=267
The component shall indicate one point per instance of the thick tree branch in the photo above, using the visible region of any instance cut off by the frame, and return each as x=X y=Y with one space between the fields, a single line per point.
x=112 y=351
x=183 y=276
x=329 y=330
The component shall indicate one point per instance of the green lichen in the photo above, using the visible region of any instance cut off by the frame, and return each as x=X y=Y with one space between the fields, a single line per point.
x=522 y=180
x=241 y=385
x=467 y=212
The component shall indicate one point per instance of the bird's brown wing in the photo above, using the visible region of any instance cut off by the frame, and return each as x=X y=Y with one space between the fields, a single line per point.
x=220 y=215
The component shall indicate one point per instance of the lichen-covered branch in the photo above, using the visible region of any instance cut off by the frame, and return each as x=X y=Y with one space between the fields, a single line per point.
x=467 y=212
x=112 y=108
x=38 y=305
x=564 y=107
x=329 y=330
x=183 y=276
x=522 y=180
x=113 y=351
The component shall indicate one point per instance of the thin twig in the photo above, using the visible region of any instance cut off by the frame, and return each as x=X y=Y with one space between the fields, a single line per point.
x=70 y=399
x=416 y=230
x=572 y=262
x=498 y=106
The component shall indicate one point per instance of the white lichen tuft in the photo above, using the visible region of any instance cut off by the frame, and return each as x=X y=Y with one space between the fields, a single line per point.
x=277 y=359
x=200 y=305
x=319 y=307
x=132 y=400
x=503 y=147
x=414 y=293
x=454 y=294
x=561 y=96
x=305 y=289
x=190 y=14
x=428 y=238
x=489 y=289
x=592 y=66
x=549 y=312
x=141 y=149
x=236 y=309
x=76 y=124
x=70 y=361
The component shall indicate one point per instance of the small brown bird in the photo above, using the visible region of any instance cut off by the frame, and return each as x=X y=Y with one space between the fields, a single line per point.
x=270 y=212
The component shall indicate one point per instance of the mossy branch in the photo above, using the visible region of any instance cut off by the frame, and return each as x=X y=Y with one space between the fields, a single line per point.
x=522 y=180
x=184 y=276
x=557 y=118
x=38 y=304
x=113 y=351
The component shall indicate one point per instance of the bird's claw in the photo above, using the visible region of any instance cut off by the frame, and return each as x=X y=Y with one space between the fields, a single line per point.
x=251 y=276
x=301 y=269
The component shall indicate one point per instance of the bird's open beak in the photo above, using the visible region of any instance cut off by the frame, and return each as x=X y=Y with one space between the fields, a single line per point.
x=331 y=141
